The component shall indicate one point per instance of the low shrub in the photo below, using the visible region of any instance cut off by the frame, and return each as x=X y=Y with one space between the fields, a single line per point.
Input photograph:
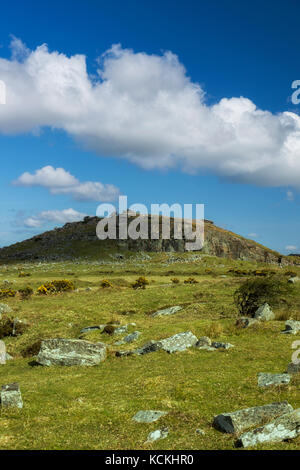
x=140 y=283
x=214 y=330
x=105 y=283
x=254 y=292
x=190 y=280
x=11 y=327
x=290 y=273
x=22 y=274
x=56 y=286
x=6 y=293
x=32 y=349
x=174 y=280
x=25 y=292
x=109 y=329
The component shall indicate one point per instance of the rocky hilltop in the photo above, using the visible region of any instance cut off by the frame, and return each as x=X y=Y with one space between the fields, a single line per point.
x=78 y=239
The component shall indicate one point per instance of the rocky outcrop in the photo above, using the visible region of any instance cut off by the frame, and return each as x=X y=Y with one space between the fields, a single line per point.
x=64 y=243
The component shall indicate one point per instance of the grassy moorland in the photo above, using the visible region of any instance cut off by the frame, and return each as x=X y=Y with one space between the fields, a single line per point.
x=92 y=407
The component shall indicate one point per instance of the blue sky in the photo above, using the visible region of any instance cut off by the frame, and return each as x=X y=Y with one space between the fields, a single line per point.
x=144 y=125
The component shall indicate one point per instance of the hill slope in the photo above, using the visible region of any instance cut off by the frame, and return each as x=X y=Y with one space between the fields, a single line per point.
x=78 y=239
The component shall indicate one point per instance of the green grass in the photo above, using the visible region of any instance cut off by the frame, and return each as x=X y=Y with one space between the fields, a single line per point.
x=92 y=407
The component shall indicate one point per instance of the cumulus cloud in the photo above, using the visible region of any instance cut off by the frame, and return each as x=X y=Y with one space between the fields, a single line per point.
x=291 y=248
x=146 y=109
x=56 y=216
x=60 y=181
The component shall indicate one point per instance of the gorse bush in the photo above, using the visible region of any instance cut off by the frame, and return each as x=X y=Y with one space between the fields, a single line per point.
x=140 y=283
x=105 y=283
x=190 y=280
x=252 y=293
x=174 y=280
x=6 y=293
x=22 y=274
x=56 y=286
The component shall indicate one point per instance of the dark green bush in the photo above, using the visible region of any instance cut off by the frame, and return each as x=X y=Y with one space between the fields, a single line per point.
x=25 y=292
x=254 y=292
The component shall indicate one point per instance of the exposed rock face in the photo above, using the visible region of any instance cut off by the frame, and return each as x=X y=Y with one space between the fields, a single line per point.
x=167 y=311
x=267 y=380
x=292 y=327
x=284 y=427
x=70 y=352
x=264 y=313
x=240 y=420
x=11 y=396
x=58 y=244
x=2 y=352
x=148 y=416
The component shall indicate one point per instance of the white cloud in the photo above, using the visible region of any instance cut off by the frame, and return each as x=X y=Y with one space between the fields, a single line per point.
x=252 y=235
x=60 y=181
x=290 y=196
x=146 y=109
x=56 y=216
x=291 y=248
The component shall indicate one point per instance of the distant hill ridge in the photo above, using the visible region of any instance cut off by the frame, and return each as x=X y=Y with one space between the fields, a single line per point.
x=78 y=239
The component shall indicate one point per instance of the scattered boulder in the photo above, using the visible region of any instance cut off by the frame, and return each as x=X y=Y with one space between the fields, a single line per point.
x=264 y=313
x=284 y=427
x=292 y=327
x=150 y=346
x=293 y=368
x=179 y=342
x=129 y=338
x=148 y=416
x=244 y=322
x=203 y=342
x=166 y=311
x=157 y=434
x=238 y=421
x=294 y=279
x=220 y=345
x=267 y=380
x=87 y=329
x=4 y=309
x=71 y=352
x=2 y=352
x=11 y=396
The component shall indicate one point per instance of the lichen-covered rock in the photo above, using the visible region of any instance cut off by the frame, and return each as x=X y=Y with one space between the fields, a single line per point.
x=4 y=309
x=267 y=380
x=148 y=416
x=167 y=311
x=238 y=421
x=264 y=313
x=2 y=352
x=292 y=327
x=179 y=342
x=70 y=352
x=157 y=434
x=203 y=342
x=11 y=396
x=294 y=279
x=284 y=427
x=150 y=346
x=88 y=329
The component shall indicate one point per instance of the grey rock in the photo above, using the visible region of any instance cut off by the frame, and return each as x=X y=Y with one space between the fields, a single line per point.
x=124 y=353
x=267 y=380
x=148 y=416
x=294 y=279
x=120 y=329
x=220 y=345
x=244 y=322
x=238 y=421
x=87 y=329
x=70 y=352
x=157 y=434
x=151 y=346
x=292 y=327
x=2 y=352
x=4 y=309
x=11 y=396
x=293 y=368
x=166 y=311
x=284 y=427
x=179 y=342
x=200 y=432
x=129 y=338
x=264 y=313
x=8 y=357
x=203 y=342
